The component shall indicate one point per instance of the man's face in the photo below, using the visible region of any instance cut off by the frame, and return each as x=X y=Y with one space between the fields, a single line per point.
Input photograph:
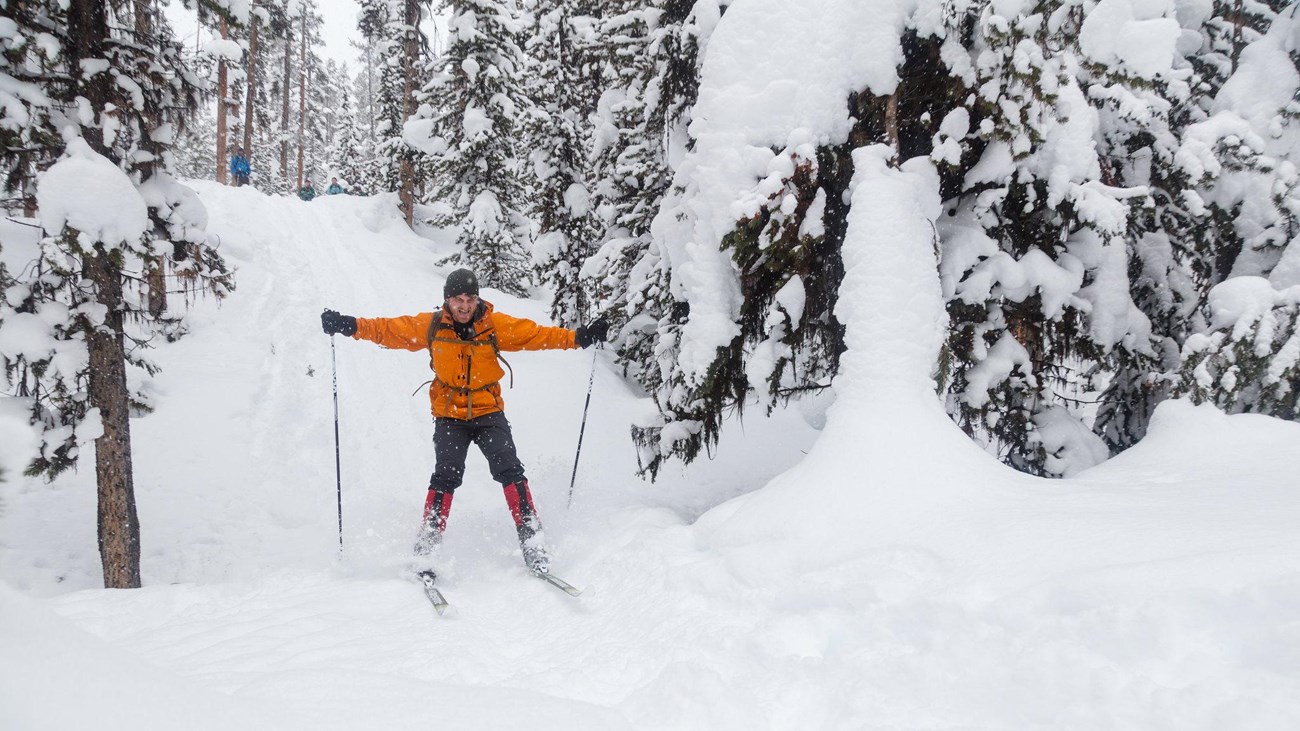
x=462 y=307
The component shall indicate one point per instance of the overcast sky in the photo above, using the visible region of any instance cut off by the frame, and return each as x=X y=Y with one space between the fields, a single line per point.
x=340 y=26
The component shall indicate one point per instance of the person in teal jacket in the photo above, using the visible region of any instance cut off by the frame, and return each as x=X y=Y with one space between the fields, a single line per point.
x=240 y=169
x=307 y=192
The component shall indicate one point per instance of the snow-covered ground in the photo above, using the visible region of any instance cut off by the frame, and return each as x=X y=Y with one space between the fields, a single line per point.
x=890 y=576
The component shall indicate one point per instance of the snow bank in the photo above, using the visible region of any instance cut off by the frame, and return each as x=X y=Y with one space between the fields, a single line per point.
x=889 y=458
x=55 y=675
x=892 y=479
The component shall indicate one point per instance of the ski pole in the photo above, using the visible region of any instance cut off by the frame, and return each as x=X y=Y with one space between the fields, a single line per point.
x=590 y=380
x=338 y=472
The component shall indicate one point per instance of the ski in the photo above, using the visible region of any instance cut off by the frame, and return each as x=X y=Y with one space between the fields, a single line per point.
x=439 y=602
x=555 y=581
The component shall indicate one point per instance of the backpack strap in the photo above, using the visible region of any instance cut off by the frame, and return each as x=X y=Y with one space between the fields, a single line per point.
x=435 y=335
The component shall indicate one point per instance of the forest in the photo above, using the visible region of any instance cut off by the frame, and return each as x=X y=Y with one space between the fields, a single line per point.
x=1118 y=187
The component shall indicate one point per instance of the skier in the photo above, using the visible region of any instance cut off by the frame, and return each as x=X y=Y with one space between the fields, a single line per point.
x=464 y=340
x=334 y=188
x=240 y=169
x=307 y=192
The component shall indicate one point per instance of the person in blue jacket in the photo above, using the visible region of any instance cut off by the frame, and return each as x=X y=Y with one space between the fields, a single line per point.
x=334 y=188
x=240 y=168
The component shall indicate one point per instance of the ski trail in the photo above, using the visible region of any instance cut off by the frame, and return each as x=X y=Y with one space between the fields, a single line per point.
x=274 y=429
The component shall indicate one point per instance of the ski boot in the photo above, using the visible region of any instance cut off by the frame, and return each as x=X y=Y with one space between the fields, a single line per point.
x=528 y=526
x=429 y=538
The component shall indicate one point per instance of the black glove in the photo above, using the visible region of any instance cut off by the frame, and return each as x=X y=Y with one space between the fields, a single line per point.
x=595 y=332
x=332 y=322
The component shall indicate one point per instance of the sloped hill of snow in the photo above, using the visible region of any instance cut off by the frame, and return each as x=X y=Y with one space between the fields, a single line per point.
x=895 y=577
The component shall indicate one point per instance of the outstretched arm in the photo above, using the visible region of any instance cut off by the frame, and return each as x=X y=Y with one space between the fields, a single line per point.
x=514 y=333
x=410 y=332
x=517 y=333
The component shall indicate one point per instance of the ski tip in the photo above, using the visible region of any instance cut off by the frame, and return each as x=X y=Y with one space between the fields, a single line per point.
x=440 y=604
x=556 y=581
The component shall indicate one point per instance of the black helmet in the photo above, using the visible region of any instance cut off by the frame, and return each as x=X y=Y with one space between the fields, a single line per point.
x=461 y=281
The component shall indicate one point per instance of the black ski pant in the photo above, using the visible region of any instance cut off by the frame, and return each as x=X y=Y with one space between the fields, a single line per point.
x=451 y=440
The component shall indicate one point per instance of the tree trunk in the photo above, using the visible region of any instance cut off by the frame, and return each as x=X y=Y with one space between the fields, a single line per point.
x=119 y=525
x=284 y=106
x=410 y=54
x=370 y=87
x=155 y=276
x=250 y=97
x=87 y=29
x=302 y=94
x=222 y=91
x=891 y=126
x=1238 y=19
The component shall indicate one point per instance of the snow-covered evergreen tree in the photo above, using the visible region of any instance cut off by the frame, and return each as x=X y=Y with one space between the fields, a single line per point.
x=563 y=78
x=364 y=87
x=468 y=126
x=1245 y=356
x=117 y=92
x=649 y=51
x=380 y=24
x=1097 y=191
x=196 y=148
x=365 y=83
x=348 y=159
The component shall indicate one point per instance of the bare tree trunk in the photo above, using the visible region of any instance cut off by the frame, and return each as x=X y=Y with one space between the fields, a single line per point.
x=891 y=125
x=1238 y=19
x=144 y=30
x=302 y=95
x=250 y=97
x=119 y=524
x=370 y=87
x=284 y=106
x=155 y=274
x=222 y=91
x=29 y=200
x=410 y=55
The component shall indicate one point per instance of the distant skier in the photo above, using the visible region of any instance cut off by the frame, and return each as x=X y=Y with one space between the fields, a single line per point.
x=240 y=168
x=334 y=188
x=307 y=192
x=464 y=340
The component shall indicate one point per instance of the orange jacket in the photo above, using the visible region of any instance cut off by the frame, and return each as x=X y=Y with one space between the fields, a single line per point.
x=467 y=372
